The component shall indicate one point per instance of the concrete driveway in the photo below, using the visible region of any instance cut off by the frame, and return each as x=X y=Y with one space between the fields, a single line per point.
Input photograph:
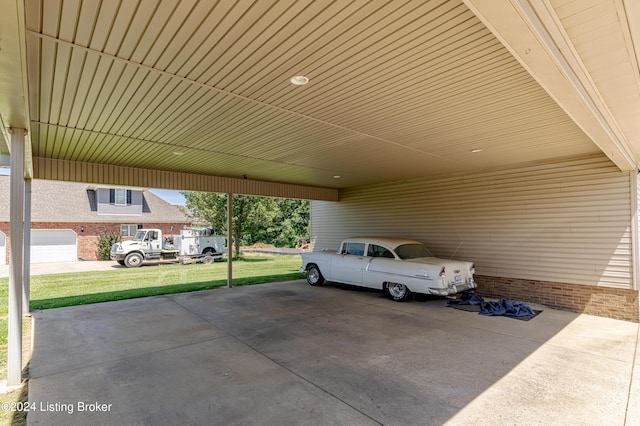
x=288 y=353
x=76 y=266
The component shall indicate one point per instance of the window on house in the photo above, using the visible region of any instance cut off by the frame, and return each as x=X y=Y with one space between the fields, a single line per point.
x=128 y=230
x=120 y=197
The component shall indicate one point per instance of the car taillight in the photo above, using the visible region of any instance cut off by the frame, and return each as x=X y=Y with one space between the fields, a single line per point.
x=443 y=272
x=473 y=268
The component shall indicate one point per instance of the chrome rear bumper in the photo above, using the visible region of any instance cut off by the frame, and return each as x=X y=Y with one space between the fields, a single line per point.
x=452 y=289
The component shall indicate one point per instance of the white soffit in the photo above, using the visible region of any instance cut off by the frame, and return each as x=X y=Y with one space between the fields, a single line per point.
x=397 y=90
x=536 y=36
x=14 y=93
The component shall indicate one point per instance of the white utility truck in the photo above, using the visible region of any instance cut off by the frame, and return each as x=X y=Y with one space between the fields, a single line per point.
x=193 y=245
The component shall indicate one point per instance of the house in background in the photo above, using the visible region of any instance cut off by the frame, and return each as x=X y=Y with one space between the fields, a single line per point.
x=68 y=217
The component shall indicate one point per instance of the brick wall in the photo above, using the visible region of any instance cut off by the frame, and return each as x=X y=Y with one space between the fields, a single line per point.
x=88 y=233
x=602 y=301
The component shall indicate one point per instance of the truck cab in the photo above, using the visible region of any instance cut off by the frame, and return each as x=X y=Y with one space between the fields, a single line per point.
x=146 y=244
x=150 y=240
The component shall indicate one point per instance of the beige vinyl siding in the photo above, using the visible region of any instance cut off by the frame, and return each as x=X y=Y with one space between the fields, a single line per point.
x=566 y=222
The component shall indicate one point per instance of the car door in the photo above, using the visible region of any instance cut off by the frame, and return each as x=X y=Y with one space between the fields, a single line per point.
x=348 y=267
x=375 y=273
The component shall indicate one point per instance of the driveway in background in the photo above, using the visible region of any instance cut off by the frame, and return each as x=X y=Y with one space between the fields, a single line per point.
x=78 y=266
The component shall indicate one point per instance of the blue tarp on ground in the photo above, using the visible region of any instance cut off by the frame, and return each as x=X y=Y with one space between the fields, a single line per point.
x=507 y=308
x=468 y=298
x=503 y=307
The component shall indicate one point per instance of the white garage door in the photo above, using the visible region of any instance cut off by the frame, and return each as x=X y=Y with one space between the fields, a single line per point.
x=49 y=245
x=3 y=249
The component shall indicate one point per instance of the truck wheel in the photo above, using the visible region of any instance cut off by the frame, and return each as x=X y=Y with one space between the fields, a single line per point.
x=133 y=260
x=207 y=260
x=314 y=276
x=208 y=252
x=396 y=291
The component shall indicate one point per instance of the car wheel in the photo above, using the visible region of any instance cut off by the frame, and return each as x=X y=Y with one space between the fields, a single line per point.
x=133 y=260
x=121 y=262
x=314 y=277
x=396 y=291
x=207 y=252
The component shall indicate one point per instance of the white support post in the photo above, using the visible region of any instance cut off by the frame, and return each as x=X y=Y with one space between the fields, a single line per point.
x=26 y=260
x=16 y=229
x=635 y=237
x=229 y=240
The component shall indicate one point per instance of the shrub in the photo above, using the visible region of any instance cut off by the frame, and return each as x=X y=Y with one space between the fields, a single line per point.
x=105 y=241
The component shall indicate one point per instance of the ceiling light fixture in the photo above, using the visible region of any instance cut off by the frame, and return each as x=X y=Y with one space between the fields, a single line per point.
x=476 y=150
x=178 y=153
x=299 y=80
x=336 y=177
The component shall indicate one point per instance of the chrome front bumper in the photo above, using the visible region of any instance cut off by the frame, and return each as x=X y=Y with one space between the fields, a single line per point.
x=116 y=254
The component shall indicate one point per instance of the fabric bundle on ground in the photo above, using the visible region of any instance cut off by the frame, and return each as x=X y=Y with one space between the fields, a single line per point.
x=467 y=298
x=504 y=307
x=507 y=308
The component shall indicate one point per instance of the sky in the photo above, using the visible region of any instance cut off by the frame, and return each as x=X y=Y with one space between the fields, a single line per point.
x=170 y=196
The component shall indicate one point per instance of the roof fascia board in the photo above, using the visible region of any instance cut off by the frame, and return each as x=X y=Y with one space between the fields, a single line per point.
x=105 y=174
x=631 y=10
x=531 y=31
x=132 y=188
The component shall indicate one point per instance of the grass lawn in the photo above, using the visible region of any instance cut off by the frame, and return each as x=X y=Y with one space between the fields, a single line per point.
x=80 y=288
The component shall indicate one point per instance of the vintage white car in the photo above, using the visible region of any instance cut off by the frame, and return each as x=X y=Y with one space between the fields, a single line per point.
x=396 y=266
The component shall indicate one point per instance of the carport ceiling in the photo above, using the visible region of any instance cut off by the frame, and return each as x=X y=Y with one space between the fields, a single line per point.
x=398 y=89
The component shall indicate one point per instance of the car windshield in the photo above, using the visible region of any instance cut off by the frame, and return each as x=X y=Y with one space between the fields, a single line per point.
x=412 y=251
x=139 y=236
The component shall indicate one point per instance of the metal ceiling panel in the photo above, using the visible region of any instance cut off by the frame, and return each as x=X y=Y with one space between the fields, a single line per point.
x=398 y=90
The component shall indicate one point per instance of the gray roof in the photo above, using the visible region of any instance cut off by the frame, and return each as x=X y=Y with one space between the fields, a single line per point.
x=57 y=201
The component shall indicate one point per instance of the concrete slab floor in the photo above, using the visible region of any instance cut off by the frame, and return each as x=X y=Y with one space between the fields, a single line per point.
x=289 y=353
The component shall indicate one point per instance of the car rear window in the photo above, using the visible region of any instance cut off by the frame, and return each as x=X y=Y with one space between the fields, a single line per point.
x=412 y=251
x=355 y=249
x=379 y=251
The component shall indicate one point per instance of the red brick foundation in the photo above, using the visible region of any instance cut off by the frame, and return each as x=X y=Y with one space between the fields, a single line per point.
x=602 y=301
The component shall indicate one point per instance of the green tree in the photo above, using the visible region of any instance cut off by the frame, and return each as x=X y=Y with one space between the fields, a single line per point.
x=208 y=207
x=278 y=221
x=292 y=223
x=252 y=216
